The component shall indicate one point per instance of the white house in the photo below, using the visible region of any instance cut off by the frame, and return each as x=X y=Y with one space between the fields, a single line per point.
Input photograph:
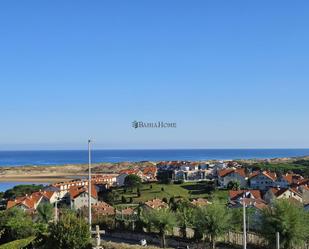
x=227 y=175
x=262 y=180
x=79 y=197
x=282 y=193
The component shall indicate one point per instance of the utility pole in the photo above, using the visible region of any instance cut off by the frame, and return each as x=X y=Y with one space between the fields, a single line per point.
x=89 y=184
x=56 y=208
x=56 y=211
x=244 y=223
x=277 y=240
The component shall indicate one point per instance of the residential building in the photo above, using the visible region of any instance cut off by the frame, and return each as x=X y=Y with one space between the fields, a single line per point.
x=232 y=174
x=262 y=180
x=282 y=193
x=78 y=197
x=200 y=202
x=102 y=209
x=32 y=201
x=155 y=204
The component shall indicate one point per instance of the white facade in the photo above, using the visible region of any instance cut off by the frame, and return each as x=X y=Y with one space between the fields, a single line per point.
x=281 y=183
x=261 y=182
x=234 y=176
x=82 y=200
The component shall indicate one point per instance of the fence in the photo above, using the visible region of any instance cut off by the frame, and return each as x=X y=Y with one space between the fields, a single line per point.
x=231 y=237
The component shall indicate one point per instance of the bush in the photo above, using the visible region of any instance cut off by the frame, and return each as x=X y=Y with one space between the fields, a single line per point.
x=289 y=220
x=16 y=224
x=70 y=233
x=179 y=182
x=123 y=199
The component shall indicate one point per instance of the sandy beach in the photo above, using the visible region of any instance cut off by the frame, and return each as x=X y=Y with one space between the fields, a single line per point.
x=59 y=173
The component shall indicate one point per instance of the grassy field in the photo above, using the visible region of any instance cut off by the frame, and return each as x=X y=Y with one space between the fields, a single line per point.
x=112 y=245
x=186 y=190
x=17 y=244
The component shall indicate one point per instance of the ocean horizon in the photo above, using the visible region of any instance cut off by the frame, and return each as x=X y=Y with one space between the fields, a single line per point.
x=61 y=157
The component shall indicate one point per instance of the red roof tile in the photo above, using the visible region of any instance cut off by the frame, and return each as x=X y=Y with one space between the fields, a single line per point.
x=235 y=194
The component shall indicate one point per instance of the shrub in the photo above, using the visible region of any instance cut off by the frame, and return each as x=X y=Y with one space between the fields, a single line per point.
x=70 y=233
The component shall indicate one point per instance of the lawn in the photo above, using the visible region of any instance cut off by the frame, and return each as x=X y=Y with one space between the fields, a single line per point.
x=186 y=190
x=17 y=244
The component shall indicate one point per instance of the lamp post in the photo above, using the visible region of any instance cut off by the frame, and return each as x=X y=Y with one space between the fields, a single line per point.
x=244 y=223
x=56 y=208
x=89 y=184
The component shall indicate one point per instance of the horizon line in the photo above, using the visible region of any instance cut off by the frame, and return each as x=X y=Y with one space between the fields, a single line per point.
x=122 y=149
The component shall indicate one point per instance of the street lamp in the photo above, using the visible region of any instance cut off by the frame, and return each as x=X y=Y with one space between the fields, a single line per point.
x=244 y=222
x=56 y=208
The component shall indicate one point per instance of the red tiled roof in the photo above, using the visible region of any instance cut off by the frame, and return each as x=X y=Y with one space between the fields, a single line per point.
x=32 y=200
x=127 y=211
x=200 y=202
x=102 y=208
x=156 y=204
x=268 y=174
x=279 y=191
x=302 y=182
x=75 y=192
x=235 y=194
x=225 y=172
x=129 y=171
x=150 y=170
x=25 y=201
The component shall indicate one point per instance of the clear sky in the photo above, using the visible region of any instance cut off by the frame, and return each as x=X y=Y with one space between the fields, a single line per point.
x=232 y=74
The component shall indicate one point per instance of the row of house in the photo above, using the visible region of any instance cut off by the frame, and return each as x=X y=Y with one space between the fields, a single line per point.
x=185 y=170
x=262 y=187
x=73 y=193
x=261 y=179
x=148 y=174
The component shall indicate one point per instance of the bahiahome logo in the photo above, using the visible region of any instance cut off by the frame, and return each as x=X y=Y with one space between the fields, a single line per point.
x=158 y=124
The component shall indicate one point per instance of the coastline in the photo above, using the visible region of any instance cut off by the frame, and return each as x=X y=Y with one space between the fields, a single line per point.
x=58 y=173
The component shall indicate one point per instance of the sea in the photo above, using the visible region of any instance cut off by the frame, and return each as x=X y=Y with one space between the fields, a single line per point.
x=60 y=157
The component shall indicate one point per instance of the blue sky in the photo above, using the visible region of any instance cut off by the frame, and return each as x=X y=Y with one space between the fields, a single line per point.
x=232 y=74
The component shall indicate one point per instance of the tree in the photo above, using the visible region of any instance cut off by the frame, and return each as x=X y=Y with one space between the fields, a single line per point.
x=165 y=176
x=212 y=220
x=233 y=185
x=185 y=217
x=70 y=233
x=132 y=181
x=16 y=224
x=112 y=197
x=237 y=221
x=45 y=212
x=138 y=192
x=162 y=220
x=123 y=199
x=21 y=190
x=173 y=204
x=286 y=218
